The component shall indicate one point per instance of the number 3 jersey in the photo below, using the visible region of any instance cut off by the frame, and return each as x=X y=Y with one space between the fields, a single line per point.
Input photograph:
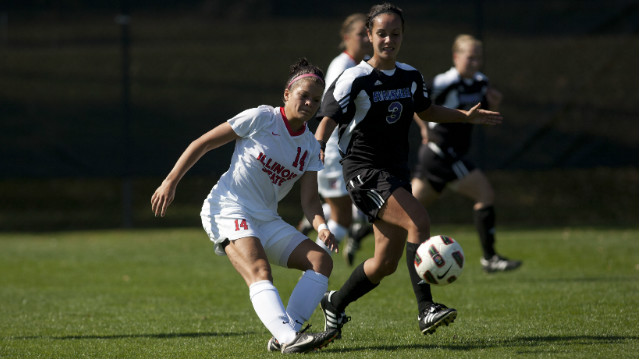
x=267 y=160
x=374 y=110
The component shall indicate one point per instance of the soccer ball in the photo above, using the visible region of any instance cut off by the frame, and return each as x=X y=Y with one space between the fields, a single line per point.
x=439 y=260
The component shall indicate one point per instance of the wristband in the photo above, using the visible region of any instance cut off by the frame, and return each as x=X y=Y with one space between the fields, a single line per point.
x=323 y=145
x=322 y=227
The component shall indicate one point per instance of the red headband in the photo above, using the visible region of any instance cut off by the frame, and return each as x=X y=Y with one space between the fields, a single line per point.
x=304 y=76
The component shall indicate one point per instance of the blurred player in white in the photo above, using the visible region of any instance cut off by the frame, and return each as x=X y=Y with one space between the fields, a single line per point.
x=355 y=46
x=442 y=159
x=273 y=149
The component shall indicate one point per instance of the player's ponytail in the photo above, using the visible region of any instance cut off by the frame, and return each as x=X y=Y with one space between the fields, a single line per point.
x=303 y=69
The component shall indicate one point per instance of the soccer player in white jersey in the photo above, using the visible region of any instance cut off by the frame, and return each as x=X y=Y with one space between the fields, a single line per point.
x=273 y=149
x=442 y=158
x=373 y=104
x=331 y=185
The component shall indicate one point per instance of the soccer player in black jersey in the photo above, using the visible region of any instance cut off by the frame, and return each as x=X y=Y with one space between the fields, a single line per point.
x=442 y=158
x=373 y=104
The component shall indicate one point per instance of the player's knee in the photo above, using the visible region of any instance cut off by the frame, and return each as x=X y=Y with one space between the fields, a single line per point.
x=322 y=263
x=385 y=267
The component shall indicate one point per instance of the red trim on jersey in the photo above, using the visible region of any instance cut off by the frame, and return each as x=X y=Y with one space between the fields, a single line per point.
x=286 y=123
x=349 y=55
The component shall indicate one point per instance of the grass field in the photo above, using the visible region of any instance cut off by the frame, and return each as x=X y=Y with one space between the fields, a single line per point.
x=164 y=294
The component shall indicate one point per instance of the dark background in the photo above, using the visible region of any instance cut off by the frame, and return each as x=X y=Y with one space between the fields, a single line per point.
x=94 y=110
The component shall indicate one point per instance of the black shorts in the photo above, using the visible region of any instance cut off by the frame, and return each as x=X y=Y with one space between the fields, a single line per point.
x=439 y=167
x=371 y=188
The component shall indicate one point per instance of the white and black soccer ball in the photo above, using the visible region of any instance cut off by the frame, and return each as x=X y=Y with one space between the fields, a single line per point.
x=439 y=260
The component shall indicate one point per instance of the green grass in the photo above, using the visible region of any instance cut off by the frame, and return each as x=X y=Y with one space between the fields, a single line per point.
x=164 y=294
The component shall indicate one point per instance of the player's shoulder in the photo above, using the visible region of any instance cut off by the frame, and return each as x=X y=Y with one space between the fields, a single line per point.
x=360 y=70
x=342 y=62
x=447 y=78
x=406 y=67
x=480 y=77
x=257 y=117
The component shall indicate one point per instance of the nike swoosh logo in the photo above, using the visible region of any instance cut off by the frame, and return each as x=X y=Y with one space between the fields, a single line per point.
x=272 y=133
x=305 y=341
x=440 y=277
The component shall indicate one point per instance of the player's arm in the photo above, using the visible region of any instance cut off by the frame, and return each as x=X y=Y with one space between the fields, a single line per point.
x=424 y=131
x=475 y=115
x=323 y=132
x=165 y=193
x=312 y=208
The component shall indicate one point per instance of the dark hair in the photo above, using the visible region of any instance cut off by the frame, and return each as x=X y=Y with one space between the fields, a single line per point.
x=383 y=9
x=303 y=67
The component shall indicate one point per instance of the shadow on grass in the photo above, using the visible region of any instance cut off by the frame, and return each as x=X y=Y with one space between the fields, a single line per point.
x=465 y=345
x=150 y=336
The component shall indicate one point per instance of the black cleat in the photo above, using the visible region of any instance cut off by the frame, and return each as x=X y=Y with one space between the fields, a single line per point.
x=305 y=342
x=333 y=320
x=499 y=263
x=434 y=316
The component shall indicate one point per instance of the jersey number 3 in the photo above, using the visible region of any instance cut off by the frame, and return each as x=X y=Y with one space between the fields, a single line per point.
x=395 y=111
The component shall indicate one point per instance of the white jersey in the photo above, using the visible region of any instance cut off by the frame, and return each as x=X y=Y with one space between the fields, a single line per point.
x=330 y=180
x=268 y=159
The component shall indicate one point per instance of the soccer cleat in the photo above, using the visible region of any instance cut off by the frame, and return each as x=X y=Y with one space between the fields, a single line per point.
x=350 y=250
x=434 y=316
x=305 y=342
x=499 y=263
x=357 y=232
x=273 y=345
x=332 y=319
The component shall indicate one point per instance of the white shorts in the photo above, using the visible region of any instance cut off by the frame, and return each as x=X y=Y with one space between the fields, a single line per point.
x=278 y=238
x=331 y=182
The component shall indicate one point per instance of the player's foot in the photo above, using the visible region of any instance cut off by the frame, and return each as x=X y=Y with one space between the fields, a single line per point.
x=435 y=315
x=499 y=263
x=350 y=250
x=357 y=232
x=273 y=345
x=333 y=319
x=304 y=226
x=305 y=342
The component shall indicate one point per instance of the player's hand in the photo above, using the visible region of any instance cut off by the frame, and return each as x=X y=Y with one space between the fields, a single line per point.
x=329 y=240
x=483 y=117
x=162 y=198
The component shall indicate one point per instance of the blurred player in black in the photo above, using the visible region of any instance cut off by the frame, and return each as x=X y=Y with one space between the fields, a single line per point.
x=442 y=158
x=373 y=104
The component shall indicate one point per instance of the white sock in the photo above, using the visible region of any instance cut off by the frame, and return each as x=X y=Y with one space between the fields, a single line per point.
x=305 y=297
x=337 y=230
x=267 y=304
x=326 y=210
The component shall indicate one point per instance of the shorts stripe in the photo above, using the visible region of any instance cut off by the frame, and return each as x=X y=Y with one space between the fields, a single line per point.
x=376 y=198
x=460 y=170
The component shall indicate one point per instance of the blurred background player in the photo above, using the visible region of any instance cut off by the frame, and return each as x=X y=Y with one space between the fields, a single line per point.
x=442 y=158
x=344 y=218
x=273 y=149
x=373 y=103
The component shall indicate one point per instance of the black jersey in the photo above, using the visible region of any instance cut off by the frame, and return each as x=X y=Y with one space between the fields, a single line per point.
x=450 y=90
x=374 y=110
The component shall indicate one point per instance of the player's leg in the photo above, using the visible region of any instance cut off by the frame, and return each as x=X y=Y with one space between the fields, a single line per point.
x=340 y=218
x=316 y=265
x=478 y=187
x=250 y=260
x=424 y=191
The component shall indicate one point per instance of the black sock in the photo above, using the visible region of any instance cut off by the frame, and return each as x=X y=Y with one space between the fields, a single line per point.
x=485 y=221
x=357 y=285
x=420 y=288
